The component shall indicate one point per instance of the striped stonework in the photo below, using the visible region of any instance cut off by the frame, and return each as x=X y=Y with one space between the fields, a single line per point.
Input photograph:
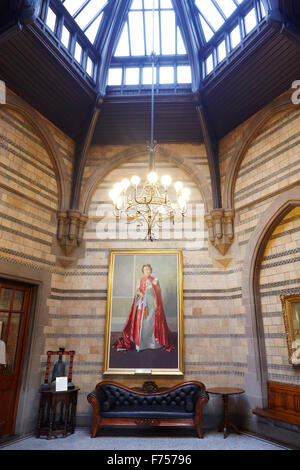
x=280 y=274
x=215 y=339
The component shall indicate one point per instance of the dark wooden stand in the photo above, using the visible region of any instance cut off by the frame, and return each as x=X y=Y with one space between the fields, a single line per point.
x=57 y=413
x=225 y=392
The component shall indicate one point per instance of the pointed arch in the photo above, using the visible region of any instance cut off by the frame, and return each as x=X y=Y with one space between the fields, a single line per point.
x=256 y=377
x=256 y=124
x=42 y=130
x=134 y=152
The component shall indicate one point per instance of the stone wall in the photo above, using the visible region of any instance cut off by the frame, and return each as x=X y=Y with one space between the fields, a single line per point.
x=73 y=305
x=30 y=194
x=280 y=274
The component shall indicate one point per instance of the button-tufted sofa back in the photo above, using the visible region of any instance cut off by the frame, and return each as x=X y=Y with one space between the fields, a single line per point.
x=113 y=397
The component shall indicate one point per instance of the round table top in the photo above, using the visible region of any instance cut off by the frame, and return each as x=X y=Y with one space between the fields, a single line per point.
x=225 y=390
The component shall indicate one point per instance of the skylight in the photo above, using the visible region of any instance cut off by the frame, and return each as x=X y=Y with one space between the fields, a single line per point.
x=214 y=13
x=136 y=37
x=87 y=14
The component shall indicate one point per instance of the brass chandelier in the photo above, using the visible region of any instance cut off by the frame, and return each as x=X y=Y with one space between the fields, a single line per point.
x=151 y=202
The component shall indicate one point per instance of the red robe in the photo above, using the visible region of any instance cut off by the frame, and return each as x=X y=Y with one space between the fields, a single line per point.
x=132 y=328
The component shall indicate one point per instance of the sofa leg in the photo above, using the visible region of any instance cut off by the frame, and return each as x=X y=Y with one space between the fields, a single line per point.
x=95 y=427
x=94 y=432
x=199 y=431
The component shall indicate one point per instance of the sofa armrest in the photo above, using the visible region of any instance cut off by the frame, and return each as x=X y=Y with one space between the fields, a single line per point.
x=94 y=402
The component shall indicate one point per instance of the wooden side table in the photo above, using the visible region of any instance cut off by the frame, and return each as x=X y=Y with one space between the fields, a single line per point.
x=225 y=424
x=57 y=413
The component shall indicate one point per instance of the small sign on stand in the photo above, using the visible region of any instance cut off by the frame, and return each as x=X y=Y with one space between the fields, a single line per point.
x=61 y=384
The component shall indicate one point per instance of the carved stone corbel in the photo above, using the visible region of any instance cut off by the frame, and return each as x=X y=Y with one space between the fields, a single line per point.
x=220 y=224
x=70 y=230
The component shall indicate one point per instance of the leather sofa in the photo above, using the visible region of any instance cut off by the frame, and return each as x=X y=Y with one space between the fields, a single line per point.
x=114 y=404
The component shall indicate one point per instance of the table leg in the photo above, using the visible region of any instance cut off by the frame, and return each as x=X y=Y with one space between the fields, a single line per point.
x=51 y=421
x=225 y=424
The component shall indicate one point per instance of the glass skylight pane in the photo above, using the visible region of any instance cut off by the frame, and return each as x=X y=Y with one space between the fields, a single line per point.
x=89 y=12
x=92 y=31
x=168 y=32
x=78 y=52
x=166 y=4
x=136 y=31
x=180 y=44
x=221 y=51
x=73 y=5
x=148 y=4
x=209 y=64
x=227 y=6
x=149 y=32
x=166 y=75
x=132 y=76
x=137 y=5
x=123 y=45
x=114 y=77
x=210 y=13
x=51 y=19
x=65 y=37
x=235 y=36
x=90 y=67
x=262 y=7
x=250 y=21
x=184 y=74
x=208 y=32
x=147 y=76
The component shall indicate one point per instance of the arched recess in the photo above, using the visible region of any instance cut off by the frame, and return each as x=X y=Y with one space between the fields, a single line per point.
x=256 y=377
x=42 y=130
x=283 y=103
x=136 y=151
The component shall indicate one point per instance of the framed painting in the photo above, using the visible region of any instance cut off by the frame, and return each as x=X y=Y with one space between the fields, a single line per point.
x=144 y=318
x=291 y=314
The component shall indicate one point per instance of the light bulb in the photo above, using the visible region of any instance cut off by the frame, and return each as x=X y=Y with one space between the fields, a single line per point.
x=182 y=202
x=178 y=186
x=112 y=194
x=125 y=183
x=186 y=192
x=119 y=202
x=135 y=180
x=152 y=177
x=166 y=180
x=117 y=188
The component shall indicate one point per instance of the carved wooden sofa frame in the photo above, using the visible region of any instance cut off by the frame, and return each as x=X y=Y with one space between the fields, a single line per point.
x=117 y=405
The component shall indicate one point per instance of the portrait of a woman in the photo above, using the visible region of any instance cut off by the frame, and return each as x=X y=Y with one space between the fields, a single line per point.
x=146 y=325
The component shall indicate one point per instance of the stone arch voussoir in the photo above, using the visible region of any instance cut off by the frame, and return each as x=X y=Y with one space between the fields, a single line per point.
x=256 y=377
x=134 y=152
x=42 y=130
x=283 y=103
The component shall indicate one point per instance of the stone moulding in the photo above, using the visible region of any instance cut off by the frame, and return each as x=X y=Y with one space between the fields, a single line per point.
x=220 y=224
x=70 y=229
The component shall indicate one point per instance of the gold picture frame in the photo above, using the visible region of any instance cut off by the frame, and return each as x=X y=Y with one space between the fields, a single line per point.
x=291 y=314
x=144 y=315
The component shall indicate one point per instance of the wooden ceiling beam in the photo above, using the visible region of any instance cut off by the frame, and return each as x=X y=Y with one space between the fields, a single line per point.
x=81 y=153
x=212 y=150
x=105 y=44
x=192 y=38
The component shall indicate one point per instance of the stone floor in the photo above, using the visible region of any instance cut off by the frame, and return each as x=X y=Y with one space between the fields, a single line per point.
x=110 y=439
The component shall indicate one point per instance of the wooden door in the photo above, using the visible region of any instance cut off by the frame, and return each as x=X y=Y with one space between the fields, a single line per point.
x=15 y=306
